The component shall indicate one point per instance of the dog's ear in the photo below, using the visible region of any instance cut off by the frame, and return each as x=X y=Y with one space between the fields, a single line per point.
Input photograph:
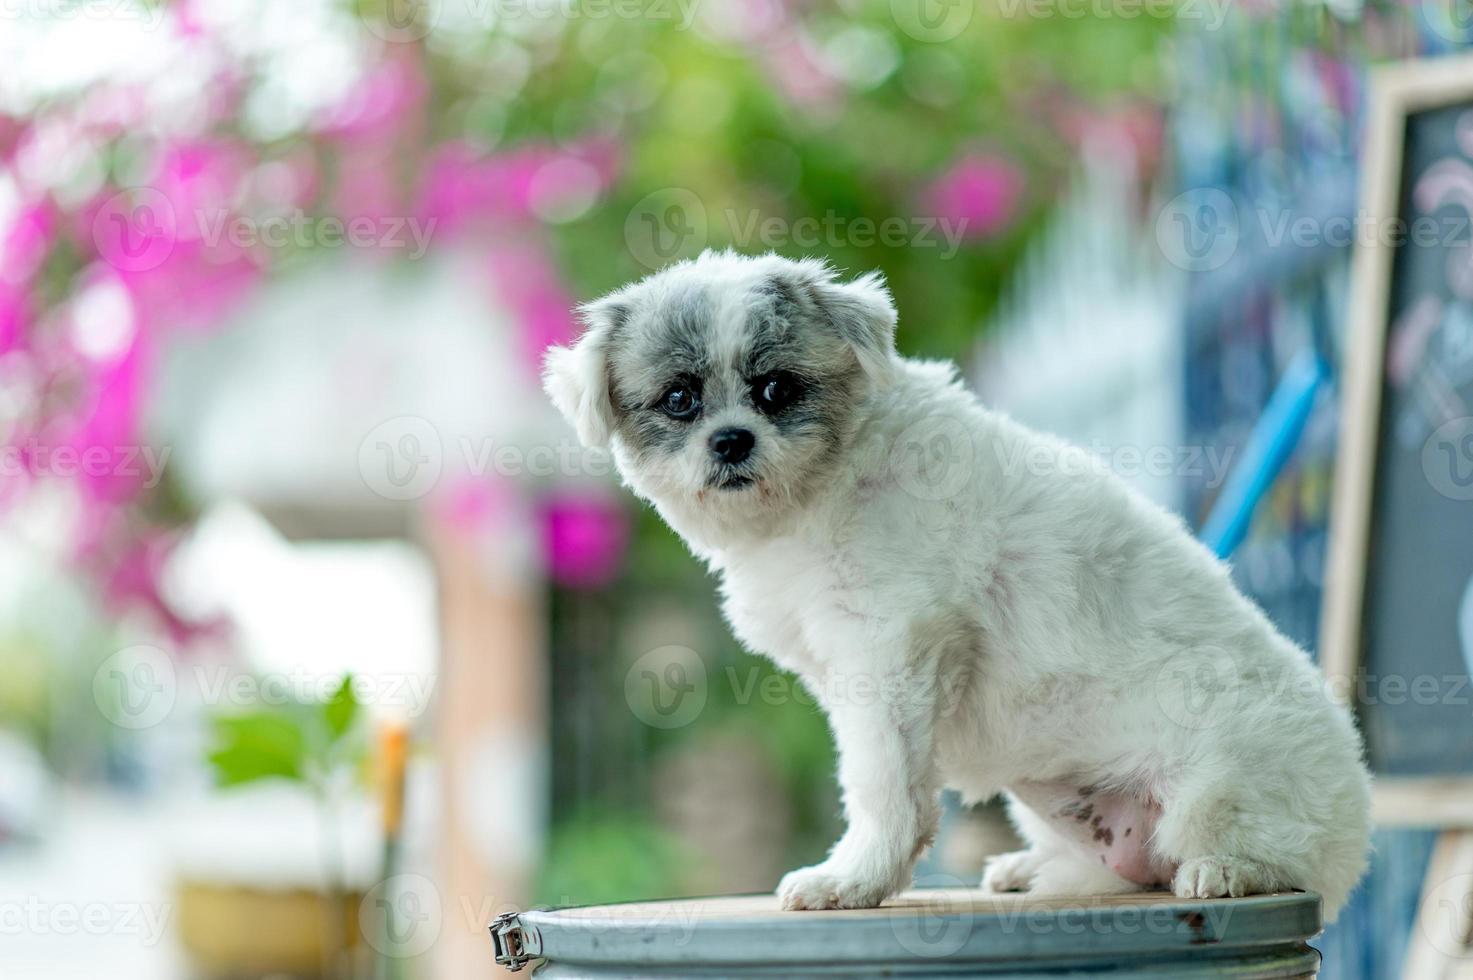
x=577 y=378
x=861 y=310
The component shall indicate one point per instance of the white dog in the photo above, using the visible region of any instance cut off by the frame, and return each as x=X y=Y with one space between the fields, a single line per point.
x=974 y=605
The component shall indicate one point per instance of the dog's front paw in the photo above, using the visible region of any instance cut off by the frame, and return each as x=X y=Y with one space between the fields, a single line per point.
x=825 y=887
x=1217 y=877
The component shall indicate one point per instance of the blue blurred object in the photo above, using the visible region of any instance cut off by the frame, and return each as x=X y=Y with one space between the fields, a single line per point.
x=1270 y=112
x=1274 y=437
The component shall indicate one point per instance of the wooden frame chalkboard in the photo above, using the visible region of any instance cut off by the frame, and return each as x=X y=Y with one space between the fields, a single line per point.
x=1402 y=97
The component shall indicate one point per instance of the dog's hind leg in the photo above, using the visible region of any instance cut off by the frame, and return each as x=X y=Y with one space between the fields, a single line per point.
x=1013 y=871
x=1228 y=840
x=1068 y=874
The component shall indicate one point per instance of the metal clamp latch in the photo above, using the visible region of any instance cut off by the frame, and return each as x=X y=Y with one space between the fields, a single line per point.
x=516 y=944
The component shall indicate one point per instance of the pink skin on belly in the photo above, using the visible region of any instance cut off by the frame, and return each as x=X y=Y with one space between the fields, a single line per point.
x=1111 y=826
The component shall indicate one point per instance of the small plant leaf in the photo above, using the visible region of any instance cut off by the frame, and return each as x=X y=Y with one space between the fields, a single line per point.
x=341 y=710
x=258 y=745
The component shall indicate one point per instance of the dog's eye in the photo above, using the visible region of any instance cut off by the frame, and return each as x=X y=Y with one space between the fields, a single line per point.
x=775 y=392
x=679 y=402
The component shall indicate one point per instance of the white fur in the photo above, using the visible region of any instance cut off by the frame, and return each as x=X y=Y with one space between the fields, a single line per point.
x=1030 y=621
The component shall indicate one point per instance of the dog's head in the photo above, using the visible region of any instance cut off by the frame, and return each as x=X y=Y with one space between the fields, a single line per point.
x=726 y=385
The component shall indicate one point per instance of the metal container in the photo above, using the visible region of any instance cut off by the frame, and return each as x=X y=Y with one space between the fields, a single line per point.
x=928 y=933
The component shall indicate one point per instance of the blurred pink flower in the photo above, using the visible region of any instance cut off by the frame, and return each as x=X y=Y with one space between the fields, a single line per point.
x=187 y=19
x=169 y=241
x=800 y=76
x=132 y=571
x=23 y=245
x=466 y=188
x=585 y=537
x=279 y=182
x=112 y=110
x=367 y=187
x=202 y=178
x=527 y=282
x=196 y=289
x=162 y=256
x=1338 y=79
x=480 y=507
x=980 y=191
x=109 y=428
x=463 y=186
x=13 y=308
x=383 y=103
x=23 y=248
x=1136 y=127
x=11 y=129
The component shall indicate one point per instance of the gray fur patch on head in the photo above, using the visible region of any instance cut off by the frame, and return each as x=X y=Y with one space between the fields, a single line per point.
x=722 y=327
x=666 y=336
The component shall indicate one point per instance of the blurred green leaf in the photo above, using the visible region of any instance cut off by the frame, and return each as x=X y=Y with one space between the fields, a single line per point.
x=341 y=710
x=258 y=745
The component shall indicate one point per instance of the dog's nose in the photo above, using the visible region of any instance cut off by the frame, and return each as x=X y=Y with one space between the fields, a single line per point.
x=732 y=445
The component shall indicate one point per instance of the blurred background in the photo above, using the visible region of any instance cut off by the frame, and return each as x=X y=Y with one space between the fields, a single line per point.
x=322 y=642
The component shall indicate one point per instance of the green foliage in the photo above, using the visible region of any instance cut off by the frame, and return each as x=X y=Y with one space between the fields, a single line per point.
x=709 y=115
x=594 y=858
x=295 y=741
x=25 y=694
x=258 y=745
x=341 y=710
x=770 y=707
